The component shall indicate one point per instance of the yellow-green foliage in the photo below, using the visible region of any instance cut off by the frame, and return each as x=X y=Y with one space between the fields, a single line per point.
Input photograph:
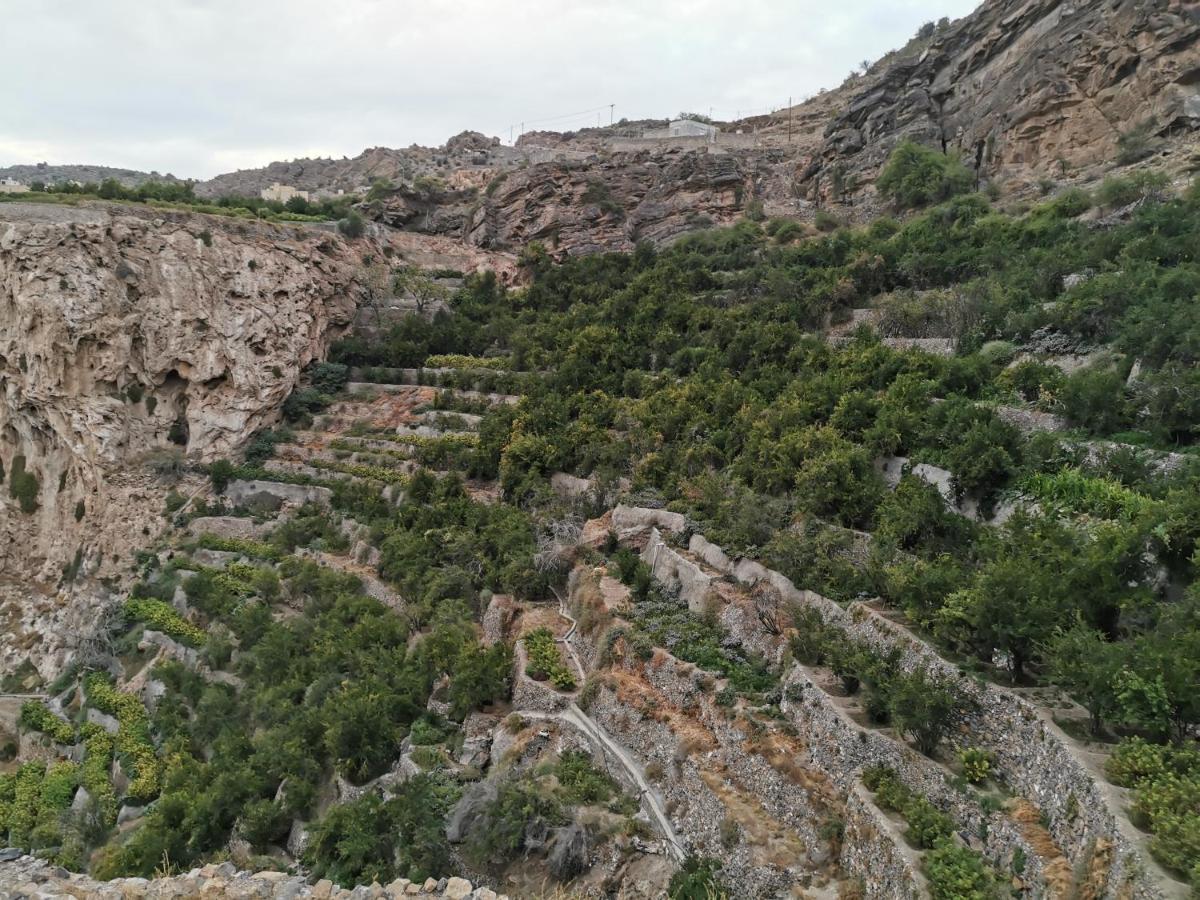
x=8 y=789
x=257 y=549
x=441 y=441
x=1071 y=491
x=58 y=788
x=976 y=763
x=237 y=578
x=373 y=473
x=93 y=774
x=160 y=616
x=545 y=660
x=1166 y=799
x=22 y=808
x=459 y=361
x=32 y=801
x=37 y=716
x=133 y=743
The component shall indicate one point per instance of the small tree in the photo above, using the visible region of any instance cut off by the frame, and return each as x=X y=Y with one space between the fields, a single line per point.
x=414 y=283
x=23 y=486
x=924 y=707
x=1087 y=665
x=221 y=472
x=354 y=225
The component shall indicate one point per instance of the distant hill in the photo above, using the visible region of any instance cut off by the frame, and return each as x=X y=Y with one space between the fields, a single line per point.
x=56 y=174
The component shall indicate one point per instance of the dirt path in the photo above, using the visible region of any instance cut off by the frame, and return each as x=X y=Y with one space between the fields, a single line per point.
x=653 y=801
x=569 y=636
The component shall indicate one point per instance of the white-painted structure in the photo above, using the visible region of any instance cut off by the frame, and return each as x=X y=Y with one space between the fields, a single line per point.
x=282 y=193
x=12 y=186
x=684 y=128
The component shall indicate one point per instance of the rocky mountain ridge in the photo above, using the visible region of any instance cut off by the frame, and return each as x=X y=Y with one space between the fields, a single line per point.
x=48 y=174
x=1031 y=94
x=1029 y=88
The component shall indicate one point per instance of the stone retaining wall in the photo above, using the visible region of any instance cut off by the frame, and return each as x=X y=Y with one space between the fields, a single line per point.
x=27 y=878
x=1031 y=753
x=684 y=759
x=239 y=492
x=874 y=853
x=538 y=696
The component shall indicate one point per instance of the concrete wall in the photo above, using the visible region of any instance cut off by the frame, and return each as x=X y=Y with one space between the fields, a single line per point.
x=721 y=141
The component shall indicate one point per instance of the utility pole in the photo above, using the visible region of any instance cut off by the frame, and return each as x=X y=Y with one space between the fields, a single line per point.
x=510 y=134
x=610 y=113
x=789 y=119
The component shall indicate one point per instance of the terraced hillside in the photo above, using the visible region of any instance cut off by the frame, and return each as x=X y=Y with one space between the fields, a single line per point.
x=651 y=578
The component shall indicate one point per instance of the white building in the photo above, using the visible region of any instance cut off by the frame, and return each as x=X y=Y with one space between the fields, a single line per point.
x=684 y=128
x=282 y=193
x=12 y=186
x=692 y=128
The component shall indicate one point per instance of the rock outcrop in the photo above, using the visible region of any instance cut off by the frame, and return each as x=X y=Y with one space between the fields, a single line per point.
x=132 y=339
x=1028 y=88
x=604 y=203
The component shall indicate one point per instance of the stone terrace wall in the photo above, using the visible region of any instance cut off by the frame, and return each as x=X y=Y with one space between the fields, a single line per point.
x=844 y=749
x=874 y=853
x=712 y=745
x=27 y=877
x=1031 y=752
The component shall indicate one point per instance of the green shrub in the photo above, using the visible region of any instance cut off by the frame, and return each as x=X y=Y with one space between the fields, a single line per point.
x=353 y=226
x=925 y=706
x=459 y=361
x=245 y=546
x=976 y=763
x=23 y=486
x=133 y=744
x=161 y=616
x=1121 y=191
x=918 y=176
x=37 y=716
x=697 y=880
x=826 y=221
x=361 y=470
x=1073 y=493
x=927 y=825
x=580 y=781
x=1137 y=143
x=958 y=873
x=221 y=472
x=545 y=660
x=98 y=748
x=1166 y=798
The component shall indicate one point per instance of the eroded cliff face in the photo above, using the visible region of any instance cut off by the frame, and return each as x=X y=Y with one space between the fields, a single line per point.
x=1029 y=87
x=131 y=340
x=607 y=202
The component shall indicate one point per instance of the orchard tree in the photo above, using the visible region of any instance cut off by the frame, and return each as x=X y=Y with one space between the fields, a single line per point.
x=1086 y=664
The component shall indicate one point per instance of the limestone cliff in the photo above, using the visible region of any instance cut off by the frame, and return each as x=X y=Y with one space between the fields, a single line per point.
x=131 y=337
x=1028 y=88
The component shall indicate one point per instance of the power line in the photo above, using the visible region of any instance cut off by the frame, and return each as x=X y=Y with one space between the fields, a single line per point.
x=584 y=112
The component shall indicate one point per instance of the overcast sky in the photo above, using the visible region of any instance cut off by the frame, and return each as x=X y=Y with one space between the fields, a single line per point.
x=199 y=87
